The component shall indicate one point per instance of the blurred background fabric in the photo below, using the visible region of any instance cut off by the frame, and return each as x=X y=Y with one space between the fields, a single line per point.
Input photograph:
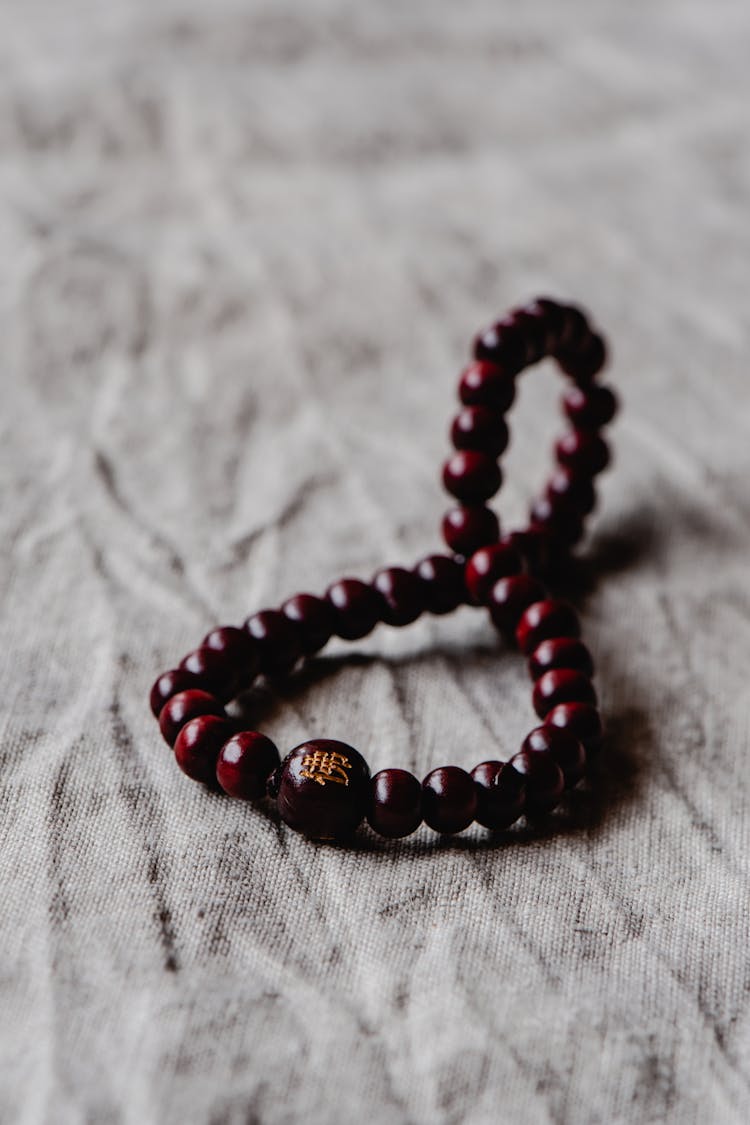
x=245 y=247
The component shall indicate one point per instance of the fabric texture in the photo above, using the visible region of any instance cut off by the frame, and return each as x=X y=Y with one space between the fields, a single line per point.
x=245 y=248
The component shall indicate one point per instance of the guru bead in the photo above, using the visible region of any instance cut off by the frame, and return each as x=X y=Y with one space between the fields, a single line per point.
x=323 y=789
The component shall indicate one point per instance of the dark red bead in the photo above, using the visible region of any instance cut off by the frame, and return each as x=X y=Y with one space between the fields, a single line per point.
x=395 y=803
x=548 y=618
x=533 y=332
x=590 y=408
x=503 y=343
x=213 y=671
x=563 y=746
x=487 y=565
x=183 y=707
x=313 y=619
x=500 y=794
x=403 y=595
x=582 y=720
x=169 y=684
x=442 y=579
x=357 y=608
x=561 y=652
x=323 y=789
x=562 y=685
x=508 y=599
x=576 y=331
x=198 y=745
x=238 y=648
x=583 y=452
x=560 y=525
x=449 y=799
x=544 y=779
x=277 y=640
x=481 y=429
x=584 y=363
x=466 y=529
x=245 y=763
x=486 y=384
x=534 y=546
x=553 y=316
x=568 y=492
x=471 y=476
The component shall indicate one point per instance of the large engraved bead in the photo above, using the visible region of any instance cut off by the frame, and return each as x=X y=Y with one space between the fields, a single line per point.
x=322 y=789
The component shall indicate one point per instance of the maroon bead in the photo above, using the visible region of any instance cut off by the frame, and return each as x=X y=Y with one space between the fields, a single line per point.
x=503 y=343
x=561 y=652
x=544 y=779
x=213 y=671
x=471 y=476
x=486 y=384
x=357 y=608
x=563 y=746
x=560 y=525
x=583 y=452
x=278 y=643
x=548 y=618
x=313 y=619
x=395 y=803
x=466 y=529
x=508 y=599
x=561 y=685
x=584 y=363
x=198 y=745
x=403 y=595
x=576 y=331
x=183 y=707
x=568 y=492
x=238 y=648
x=553 y=316
x=534 y=546
x=442 y=579
x=500 y=794
x=532 y=330
x=323 y=789
x=481 y=429
x=245 y=763
x=590 y=408
x=581 y=719
x=449 y=799
x=487 y=565
x=169 y=684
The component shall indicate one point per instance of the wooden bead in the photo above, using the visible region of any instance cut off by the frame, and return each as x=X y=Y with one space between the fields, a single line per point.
x=544 y=779
x=471 y=477
x=508 y=599
x=582 y=720
x=584 y=452
x=402 y=593
x=562 y=685
x=548 y=618
x=323 y=789
x=395 y=803
x=487 y=384
x=449 y=799
x=466 y=529
x=590 y=408
x=502 y=344
x=314 y=621
x=442 y=579
x=169 y=684
x=482 y=429
x=183 y=707
x=487 y=565
x=239 y=649
x=278 y=644
x=561 y=652
x=213 y=671
x=564 y=747
x=559 y=524
x=198 y=744
x=500 y=794
x=357 y=608
x=245 y=763
x=569 y=492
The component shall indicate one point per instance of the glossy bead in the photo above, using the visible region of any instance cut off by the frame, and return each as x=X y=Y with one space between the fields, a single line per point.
x=500 y=794
x=504 y=344
x=279 y=646
x=395 y=803
x=466 y=529
x=357 y=608
x=237 y=647
x=508 y=599
x=583 y=452
x=581 y=719
x=442 y=579
x=563 y=746
x=487 y=565
x=544 y=779
x=568 y=491
x=590 y=408
x=403 y=595
x=471 y=476
x=531 y=329
x=313 y=619
x=562 y=685
x=449 y=799
x=183 y=707
x=534 y=546
x=245 y=763
x=552 y=316
x=198 y=745
x=323 y=789
x=213 y=671
x=561 y=652
x=549 y=618
x=582 y=364
x=558 y=524
x=168 y=684
x=486 y=384
x=481 y=429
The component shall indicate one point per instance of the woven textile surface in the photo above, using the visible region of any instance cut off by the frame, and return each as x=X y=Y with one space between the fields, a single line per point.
x=245 y=248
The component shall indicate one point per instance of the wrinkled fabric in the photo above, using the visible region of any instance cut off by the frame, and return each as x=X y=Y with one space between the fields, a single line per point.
x=245 y=248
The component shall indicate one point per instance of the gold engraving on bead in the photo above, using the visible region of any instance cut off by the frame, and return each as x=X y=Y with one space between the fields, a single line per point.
x=326 y=765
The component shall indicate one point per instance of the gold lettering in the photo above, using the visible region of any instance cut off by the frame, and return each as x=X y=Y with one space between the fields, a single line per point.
x=326 y=765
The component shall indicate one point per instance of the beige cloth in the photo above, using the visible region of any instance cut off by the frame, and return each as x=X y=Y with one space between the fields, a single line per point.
x=245 y=246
